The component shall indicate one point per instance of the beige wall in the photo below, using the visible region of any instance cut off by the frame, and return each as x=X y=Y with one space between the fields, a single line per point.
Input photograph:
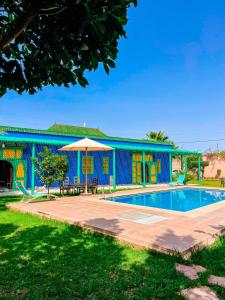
x=176 y=164
x=214 y=165
x=211 y=170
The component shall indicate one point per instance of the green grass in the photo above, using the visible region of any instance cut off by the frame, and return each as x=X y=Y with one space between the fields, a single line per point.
x=43 y=259
x=207 y=182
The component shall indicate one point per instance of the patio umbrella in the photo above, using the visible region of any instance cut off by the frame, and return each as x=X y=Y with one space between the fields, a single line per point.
x=86 y=145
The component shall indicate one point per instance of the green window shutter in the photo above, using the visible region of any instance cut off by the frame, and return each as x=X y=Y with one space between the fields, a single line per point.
x=87 y=165
x=159 y=166
x=105 y=165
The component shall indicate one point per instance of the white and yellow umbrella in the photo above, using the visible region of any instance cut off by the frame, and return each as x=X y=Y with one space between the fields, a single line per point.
x=86 y=145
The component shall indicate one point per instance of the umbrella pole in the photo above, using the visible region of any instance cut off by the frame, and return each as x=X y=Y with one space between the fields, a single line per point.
x=86 y=175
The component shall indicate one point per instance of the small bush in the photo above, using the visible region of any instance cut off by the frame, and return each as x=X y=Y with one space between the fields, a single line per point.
x=218 y=173
x=188 y=177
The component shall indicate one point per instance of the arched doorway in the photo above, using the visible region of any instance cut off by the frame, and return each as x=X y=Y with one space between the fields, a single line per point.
x=146 y=173
x=6 y=174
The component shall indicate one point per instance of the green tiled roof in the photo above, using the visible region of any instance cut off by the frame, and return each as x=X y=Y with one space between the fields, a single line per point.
x=76 y=130
x=81 y=135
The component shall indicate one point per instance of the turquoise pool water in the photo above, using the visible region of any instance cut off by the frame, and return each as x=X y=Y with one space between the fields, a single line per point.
x=185 y=199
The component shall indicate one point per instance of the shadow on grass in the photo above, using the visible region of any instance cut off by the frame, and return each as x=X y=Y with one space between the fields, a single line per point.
x=56 y=261
x=41 y=259
x=213 y=259
x=6 y=200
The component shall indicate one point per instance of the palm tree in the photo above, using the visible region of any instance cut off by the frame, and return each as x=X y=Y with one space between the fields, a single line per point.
x=160 y=137
x=157 y=136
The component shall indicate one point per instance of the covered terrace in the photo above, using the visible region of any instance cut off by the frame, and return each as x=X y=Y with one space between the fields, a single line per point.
x=143 y=149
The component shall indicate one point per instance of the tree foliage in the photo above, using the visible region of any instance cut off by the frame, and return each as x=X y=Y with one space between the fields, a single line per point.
x=160 y=136
x=50 y=167
x=216 y=154
x=157 y=136
x=192 y=163
x=53 y=42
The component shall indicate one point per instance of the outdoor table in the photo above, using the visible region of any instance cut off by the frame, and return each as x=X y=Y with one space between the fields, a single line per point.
x=93 y=188
x=79 y=187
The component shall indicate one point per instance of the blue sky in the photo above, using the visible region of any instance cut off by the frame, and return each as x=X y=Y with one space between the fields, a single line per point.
x=170 y=76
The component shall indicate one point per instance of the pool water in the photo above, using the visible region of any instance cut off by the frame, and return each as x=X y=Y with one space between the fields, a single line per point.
x=185 y=199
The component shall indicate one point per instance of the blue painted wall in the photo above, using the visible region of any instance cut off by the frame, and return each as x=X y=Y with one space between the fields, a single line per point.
x=72 y=160
x=123 y=165
x=123 y=158
x=164 y=176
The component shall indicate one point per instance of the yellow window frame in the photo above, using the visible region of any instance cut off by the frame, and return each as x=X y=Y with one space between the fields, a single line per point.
x=87 y=164
x=105 y=165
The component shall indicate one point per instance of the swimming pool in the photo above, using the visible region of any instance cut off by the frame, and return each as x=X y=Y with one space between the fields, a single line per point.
x=183 y=200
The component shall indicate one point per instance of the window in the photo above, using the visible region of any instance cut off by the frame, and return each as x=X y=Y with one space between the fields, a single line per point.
x=12 y=153
x=137 y=157
x=105 y=165
x=8 y=153
x=148 y=157
x=19 y=154
x=20 y=170
x=136 y=167
x=159 y=165
x=87 y=164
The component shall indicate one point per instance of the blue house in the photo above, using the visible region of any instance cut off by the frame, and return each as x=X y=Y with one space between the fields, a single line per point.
x=132 y=161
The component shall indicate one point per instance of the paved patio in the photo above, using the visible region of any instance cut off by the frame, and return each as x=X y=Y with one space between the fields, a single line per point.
x=141 y=227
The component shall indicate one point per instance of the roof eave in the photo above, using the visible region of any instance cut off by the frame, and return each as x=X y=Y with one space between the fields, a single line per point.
x=122 y=147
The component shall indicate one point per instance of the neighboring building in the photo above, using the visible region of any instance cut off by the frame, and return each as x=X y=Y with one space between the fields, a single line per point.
x=133 y=161
x=215 y=169
x=176 y=164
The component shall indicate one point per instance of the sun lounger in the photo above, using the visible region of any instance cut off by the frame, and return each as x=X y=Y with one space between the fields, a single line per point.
x=180 y=180
x=28 y=196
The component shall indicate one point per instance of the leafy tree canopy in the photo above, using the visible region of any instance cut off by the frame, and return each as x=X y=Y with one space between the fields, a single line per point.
x=53 y=42
x=192 y=163
x=50 y=167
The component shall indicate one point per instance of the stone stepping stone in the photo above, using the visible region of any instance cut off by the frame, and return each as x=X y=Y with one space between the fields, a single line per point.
x=199 y=293
x=217 y=280
x=190 y=271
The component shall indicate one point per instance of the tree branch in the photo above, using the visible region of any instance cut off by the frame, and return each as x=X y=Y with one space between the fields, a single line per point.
x=6 y=40
x=52 y=11
x=17 y=31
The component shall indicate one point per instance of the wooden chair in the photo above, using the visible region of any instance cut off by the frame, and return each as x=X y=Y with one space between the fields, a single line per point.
x=76 y=180
x=77 y=185
x=9 y=185
x=65 y=186
x=94 y=185
x=66 y=181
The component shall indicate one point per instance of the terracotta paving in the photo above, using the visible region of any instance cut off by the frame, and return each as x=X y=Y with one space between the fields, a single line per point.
x=217 y=280
x=199 y=293
x=162 y=230
x=190 y=271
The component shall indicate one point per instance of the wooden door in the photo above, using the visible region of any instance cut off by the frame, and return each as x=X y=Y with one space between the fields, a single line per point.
x=153 y=172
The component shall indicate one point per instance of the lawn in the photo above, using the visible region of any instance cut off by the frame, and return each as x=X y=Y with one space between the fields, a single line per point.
x=207 y=182
x=42 y=259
